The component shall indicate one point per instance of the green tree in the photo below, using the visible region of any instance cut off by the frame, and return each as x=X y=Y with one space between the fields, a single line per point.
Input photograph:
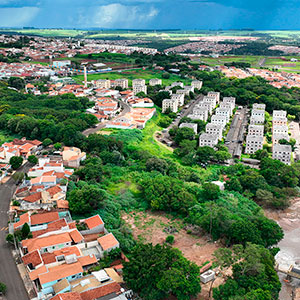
x=211 y=191
x=57 y=146
x=3 y=288
x=205 y=154
x=33 y=159
x=157 y=164
x=25 y=230
x=155 y=272
x=16 y=162
x=184 y=134
x=47 y=142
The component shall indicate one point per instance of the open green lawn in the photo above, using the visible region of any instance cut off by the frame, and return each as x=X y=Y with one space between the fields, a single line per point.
x=283 y=65
x=253 y=60
x=133 y=74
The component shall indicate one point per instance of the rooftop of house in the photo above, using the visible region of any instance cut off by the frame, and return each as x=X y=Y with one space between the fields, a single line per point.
x=93 y=221
x=107 y=241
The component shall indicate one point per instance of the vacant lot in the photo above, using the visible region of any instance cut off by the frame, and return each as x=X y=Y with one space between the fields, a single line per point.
x=133 y=74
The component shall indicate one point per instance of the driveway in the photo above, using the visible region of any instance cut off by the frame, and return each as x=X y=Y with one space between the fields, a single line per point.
x=8 y=270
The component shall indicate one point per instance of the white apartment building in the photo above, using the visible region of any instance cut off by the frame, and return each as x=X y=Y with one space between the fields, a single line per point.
x=229 y=100
x=276 y=137
x=179 y=98
x=258 y=113
x=102 y=83
x=199 y=114
x=169 y=104
x=225 y=112
x=205 y=105
x=139 y=88
x=212 y=100
x=197 y=84
x=280 y=129
x=260 y=106
x=121 y=82
x=219 y=120
x=279 y=113
x=155 y=81
x=257 y=120
x=209 y=140
x=253 y=143
x=257 y=130
x=177 y=83
x=214 y=129
x=279 y=121
x=282 y=153
x=227 y=106
x=189 y=125
x=214 y=94
x=138 y=82
x=187 y=89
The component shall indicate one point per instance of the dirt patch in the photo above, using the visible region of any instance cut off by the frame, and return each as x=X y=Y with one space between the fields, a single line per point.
x=151 y=228
x=104 y=132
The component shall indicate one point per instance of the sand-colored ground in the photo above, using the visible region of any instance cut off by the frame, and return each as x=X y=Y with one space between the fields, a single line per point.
x=149 y=227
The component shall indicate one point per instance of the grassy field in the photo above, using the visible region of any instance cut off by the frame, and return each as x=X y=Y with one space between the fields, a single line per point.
x=133 y=74
x=283 y=65
x=253 y=60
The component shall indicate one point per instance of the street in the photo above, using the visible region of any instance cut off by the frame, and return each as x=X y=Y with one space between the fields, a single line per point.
x=8 y=270
x=125 y=109
x=235 y=136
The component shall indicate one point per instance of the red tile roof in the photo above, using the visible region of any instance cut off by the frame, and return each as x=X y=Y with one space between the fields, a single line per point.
x=67 y=296
x=33 y=198
x=33 y=258
x=43 y=218
x=93 y=222
x=54 y=190
x=107 y=241
x=76 y=236
x=101 y=291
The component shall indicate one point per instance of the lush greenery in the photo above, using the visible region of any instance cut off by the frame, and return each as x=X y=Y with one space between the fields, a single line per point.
x=158 y=271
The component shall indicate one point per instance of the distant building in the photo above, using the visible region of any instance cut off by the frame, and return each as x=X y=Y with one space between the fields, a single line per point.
x=121 y=82
x=139 y=88
x=257 y=120
x=260 y=106
x=280 y=129
x=212 y=100
x=258 y=113
x=224 y=112
x=102 y=83
x=279 y=113
x=282 y=153
x=214 y=94
x=138 y=82
x=155 y=81
x=179 y=98
x=205 y=105
x=276 y=137
x=227 y=106
x=219 y=120
x=199 y=114
x=279 y=121
x=229 y=100
x=197 y=84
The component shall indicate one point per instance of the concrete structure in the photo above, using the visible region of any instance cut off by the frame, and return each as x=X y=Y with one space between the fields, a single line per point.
x=207 y=276
x=257 y=130
x=189 y=125
x=228 y=106
x=260 y=106
x=219 y=120
x=258 y=113
x=212 y=100
x=276 y=137
x=169 y=104
x=177 y=83
x=199 y=114
x=138 y=81
x=279 y=121
x=279 y=113
x=214 y=94
x=179 y=98
x=257 y=120
x=253 y=143
x=224 y=112
x=206 y=105
x=209 y=140
x=139 y=88
x=230 y=100
x=120 y=82
x=282 y=153
x=197 y=84
x=214 y=129
x=155 y=81
x=102 y=83
x=280 y=129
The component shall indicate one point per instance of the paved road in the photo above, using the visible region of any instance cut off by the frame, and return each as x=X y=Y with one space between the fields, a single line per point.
x=261 y=62
x=125 y=109
x=8 y=270
x=234 y=138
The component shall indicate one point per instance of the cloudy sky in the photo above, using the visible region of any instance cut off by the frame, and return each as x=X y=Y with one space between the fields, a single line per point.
x=152 y=14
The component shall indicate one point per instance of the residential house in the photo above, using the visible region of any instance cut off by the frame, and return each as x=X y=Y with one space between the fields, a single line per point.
x=72 y=157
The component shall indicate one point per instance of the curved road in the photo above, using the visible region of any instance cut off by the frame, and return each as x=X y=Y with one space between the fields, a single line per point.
x=125 y=109
x=9 y=273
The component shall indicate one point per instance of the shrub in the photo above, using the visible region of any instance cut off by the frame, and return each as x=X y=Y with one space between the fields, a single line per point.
x=170 y=239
